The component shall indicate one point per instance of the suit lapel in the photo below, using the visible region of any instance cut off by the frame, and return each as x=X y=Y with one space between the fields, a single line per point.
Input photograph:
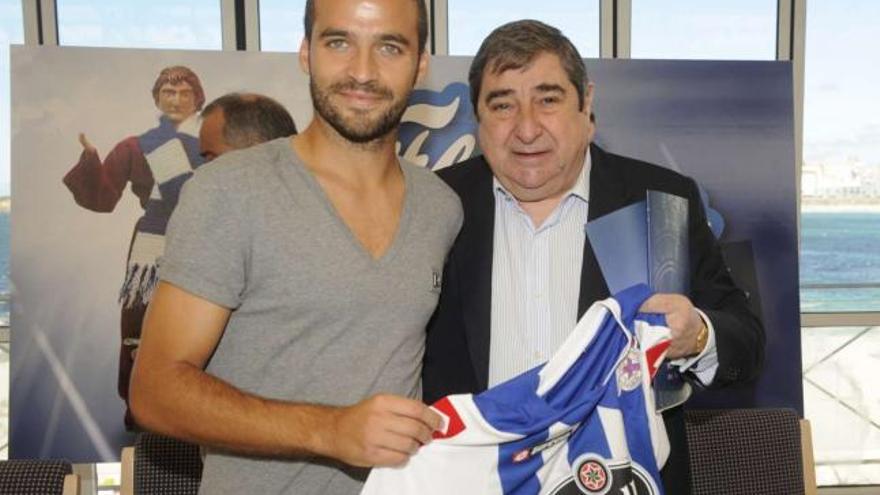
x=476 y=242
x=608 y=192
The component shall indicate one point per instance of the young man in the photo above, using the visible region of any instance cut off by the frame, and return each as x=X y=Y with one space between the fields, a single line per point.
x=522 y=273
x=287 y=331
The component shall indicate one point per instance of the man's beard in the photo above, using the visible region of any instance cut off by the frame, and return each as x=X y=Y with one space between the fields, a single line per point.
x=357 y=130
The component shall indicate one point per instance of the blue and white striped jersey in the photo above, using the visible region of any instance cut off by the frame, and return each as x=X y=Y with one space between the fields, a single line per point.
x=582 y=423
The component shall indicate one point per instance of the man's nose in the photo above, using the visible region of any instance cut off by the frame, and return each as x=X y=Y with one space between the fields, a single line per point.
x=363 y=66
x=528 y=127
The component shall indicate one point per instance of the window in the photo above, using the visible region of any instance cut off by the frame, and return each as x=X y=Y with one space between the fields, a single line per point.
x=841 y=401
x=695 y=29
x=108 y=478
x=840 y=232
x=281 y=25
x=11 y=31
x=470 y=22
x=840 y=185
x=194 y=24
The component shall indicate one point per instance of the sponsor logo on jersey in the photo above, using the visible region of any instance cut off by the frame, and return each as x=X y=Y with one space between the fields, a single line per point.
x=525 y=454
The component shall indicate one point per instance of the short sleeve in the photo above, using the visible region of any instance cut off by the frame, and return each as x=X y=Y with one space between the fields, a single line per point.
x=206 y=245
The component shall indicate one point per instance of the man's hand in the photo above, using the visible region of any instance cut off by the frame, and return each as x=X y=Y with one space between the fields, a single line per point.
x=86 y=144
x=684 y=322
x=384 y=430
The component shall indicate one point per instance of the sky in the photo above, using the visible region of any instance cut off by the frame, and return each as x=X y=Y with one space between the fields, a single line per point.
x=841 y=114
x=842 y=110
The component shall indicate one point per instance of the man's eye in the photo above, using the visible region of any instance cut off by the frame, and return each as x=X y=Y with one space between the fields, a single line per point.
x=500 y=107
x=550 y=100
x=337 y=44
x=390 y=49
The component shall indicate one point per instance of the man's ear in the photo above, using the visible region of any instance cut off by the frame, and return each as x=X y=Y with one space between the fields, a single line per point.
x=588 y=99
x=304 y=56
x=422 y=69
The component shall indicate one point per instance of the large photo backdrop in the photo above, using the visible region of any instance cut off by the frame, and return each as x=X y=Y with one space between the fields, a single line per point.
x=727 y=124
x=70 y=261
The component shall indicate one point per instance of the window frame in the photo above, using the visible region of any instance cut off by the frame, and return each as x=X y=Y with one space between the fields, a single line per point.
x=241 y=31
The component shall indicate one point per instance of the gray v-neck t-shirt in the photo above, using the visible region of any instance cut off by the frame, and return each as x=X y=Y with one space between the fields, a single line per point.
x=315 y=318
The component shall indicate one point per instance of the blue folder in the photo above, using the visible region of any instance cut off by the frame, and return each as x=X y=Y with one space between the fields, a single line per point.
x=647 y=243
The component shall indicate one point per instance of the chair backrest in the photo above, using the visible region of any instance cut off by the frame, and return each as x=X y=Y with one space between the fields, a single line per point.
x=747 y=451
x=34 y=477
x=165 y=465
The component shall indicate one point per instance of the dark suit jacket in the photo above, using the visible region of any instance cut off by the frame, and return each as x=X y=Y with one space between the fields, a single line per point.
x=457 y=348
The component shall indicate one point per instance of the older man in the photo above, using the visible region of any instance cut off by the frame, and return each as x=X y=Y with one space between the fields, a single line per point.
x=241 y=120
x=288 y=328
x=522 y=272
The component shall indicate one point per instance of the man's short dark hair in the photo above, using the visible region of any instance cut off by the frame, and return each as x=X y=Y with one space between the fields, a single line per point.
x=177 y=74
x=516 y=44
x=309 y=22
x=251 y=119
